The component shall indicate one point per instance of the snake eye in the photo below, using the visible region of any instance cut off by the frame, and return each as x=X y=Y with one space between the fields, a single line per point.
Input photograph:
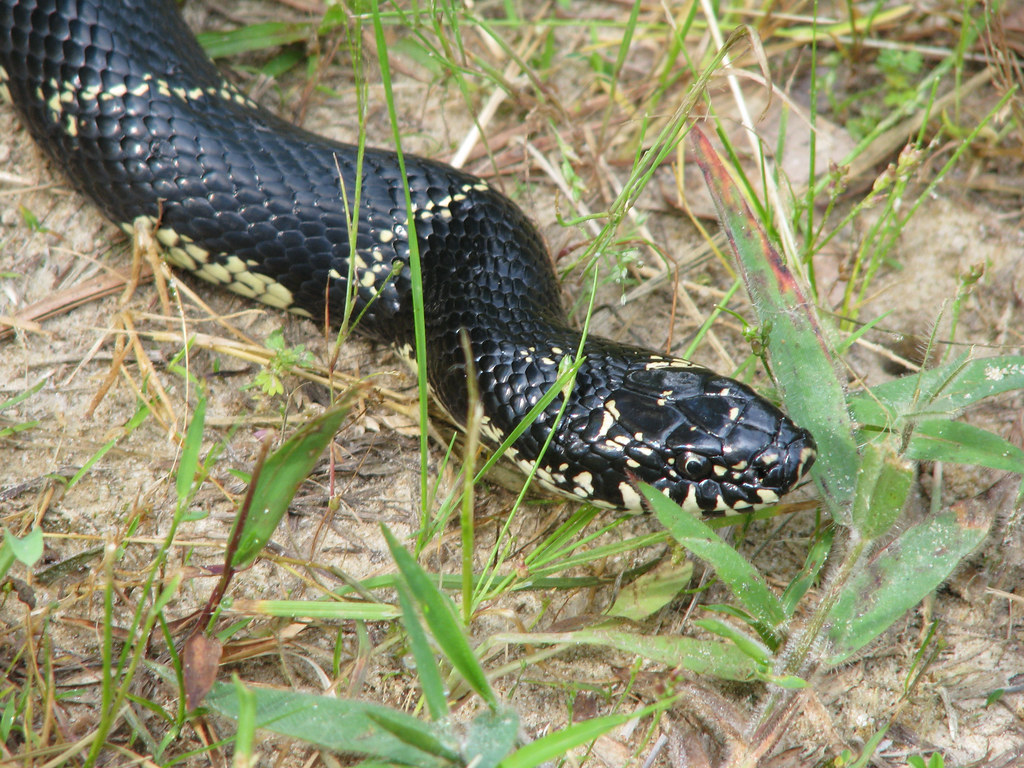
x=696 y=467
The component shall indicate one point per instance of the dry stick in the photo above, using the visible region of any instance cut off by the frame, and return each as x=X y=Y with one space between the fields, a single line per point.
x=497 y=97
x=64 y=301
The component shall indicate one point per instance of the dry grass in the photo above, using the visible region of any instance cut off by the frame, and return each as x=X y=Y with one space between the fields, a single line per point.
x=552 y=106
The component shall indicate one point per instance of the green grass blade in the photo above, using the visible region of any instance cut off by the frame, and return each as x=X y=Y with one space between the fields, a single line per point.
x=555 y=745
x=255 y=37
x=415 y=272
x=742 y=579
x=22 y=396
x=338 y=610
x=141 y=412
x=280 y=478
x=426 y=665
x=245 y=736
x=189 y=466
x=441 y=617
x=750 y=646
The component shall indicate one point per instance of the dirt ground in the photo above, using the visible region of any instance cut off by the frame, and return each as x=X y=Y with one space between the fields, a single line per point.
x=971 y=218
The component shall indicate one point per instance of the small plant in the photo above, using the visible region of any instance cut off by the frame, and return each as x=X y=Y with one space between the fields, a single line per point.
x=269 y=378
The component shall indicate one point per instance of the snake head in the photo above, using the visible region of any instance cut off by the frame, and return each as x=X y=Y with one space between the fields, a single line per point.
x=724 y=446
x=709 y=443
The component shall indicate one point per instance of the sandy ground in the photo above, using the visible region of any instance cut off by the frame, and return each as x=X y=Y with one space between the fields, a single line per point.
x=377 y=465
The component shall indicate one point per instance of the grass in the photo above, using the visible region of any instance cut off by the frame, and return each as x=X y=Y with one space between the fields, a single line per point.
x=546 y=634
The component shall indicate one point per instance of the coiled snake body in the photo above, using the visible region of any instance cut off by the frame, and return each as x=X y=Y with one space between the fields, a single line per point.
x=121 y=96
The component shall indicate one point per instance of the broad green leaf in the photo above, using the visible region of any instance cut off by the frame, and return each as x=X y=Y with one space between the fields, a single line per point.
x=925 y=404
x=961 y=443
x=343 y=725
x=899 y=576
x=943 y=391
x=704 y=657
x=883 y=483
x=489 y=738
x=742 y=579
x=652 y=591
x=801 y=356
x=28 y=549
x=280 y=477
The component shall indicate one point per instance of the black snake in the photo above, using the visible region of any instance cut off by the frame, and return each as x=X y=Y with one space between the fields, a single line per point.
x=123 y=99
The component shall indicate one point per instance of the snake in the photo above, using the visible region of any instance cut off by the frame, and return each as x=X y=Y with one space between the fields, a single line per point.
x=122 y=98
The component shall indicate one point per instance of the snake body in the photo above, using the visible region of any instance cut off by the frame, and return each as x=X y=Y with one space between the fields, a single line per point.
x=120 y=95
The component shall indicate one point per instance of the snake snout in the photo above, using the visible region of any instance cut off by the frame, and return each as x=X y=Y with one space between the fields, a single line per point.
x=787 y=460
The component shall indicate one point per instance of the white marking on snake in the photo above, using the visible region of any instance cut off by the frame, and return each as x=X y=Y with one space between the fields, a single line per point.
x=278 y=296
x=234 y=265
x=805 y=455
x=197 y=253
x=584 y=481
x=165 y=236
x=630 y=498
x=214 y=272
x=178 y=257
x=243 y=290
x=252 y=281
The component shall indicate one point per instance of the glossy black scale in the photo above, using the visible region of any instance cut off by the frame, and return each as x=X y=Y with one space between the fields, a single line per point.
x=123 y=99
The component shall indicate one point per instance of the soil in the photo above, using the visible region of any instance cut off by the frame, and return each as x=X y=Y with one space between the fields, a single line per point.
x=99 y=359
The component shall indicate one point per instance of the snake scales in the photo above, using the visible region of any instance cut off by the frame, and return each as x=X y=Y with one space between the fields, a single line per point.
x=121 y=97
